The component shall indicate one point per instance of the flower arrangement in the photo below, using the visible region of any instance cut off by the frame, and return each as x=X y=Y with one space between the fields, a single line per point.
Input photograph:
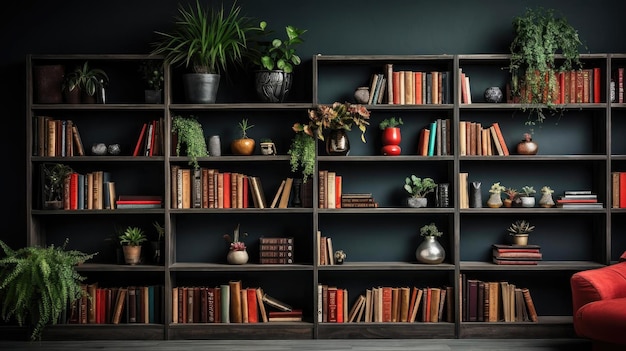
x=336 y=116
x=430 y=230
x=235 y=244
x=496 y=188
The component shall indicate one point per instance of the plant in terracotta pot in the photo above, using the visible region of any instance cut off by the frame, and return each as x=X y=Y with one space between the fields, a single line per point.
x=391 y=136
x=85 y=84
x=151 y=72
x=543 y=44
x=430 y=250
x=38 y=283
x=418 y=188
x=276 y=60
x=131 y=241
x=527 y=194
x=511 y=195
x=519 y=230
x=188 y=132
x=243 y=145
x=206 y=41
x=495 y=199
x=237 y=253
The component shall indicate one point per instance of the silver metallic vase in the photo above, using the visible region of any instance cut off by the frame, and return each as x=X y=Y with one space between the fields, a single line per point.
x=430 y=251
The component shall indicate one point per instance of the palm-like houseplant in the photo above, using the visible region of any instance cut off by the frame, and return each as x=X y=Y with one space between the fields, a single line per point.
x=38 y=283
x=207 y=41
x=85 y=81
x=543 y=45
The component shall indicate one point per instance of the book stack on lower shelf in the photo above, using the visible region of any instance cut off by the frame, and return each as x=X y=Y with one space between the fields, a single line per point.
x=358 y=200
x=516 y=254
x=276 y=250
x=578 y=199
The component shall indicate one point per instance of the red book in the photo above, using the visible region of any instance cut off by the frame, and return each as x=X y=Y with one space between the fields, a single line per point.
x=564 y=201
x=596 y=84
x=396 y=88
x=339 y=305
x=622 y=190
x=253 y=307
x=245 y=191
x=505 y=149
x=292 y=313
x=332 y=304
x=337 y=191
x=386 y=297
x=227 y=189
x=74 y=191
x=140 y=140
x=561 y=80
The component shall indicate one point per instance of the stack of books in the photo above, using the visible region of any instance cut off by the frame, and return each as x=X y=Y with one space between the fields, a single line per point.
x=516 y=254
x=358 y=200
x=577 y=199
x=276 y=250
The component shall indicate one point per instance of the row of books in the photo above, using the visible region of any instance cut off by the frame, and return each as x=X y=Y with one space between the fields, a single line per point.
x=578 y=199
x=435 y=139
x=326 y=256
x=495 y=301
x=386 y=304
x=228 y=303
x=618 y=189
x=114 y=305
x=150 y=140
x=573 y=86
x=418 y=87
x=476 y=140
x=276 y=250
x=56 y=138
x=617 y=86
x=516 y=254
x=90 y=191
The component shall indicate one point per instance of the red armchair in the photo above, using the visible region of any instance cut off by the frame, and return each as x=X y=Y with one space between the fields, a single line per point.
x=599 y=299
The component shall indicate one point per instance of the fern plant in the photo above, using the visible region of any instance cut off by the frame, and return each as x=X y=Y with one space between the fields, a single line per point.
x=189 y=132
x=302 y=153
x=37 y=284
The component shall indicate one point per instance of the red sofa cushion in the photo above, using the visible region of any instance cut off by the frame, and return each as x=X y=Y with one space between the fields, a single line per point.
x=603 y=320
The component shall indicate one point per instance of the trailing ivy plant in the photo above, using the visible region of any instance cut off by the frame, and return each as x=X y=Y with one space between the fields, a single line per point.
x=189 y=132
x=302 y=152
x=37 y=284
x=543 y=45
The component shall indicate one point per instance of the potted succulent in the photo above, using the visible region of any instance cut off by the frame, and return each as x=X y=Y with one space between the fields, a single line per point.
x=337 y=118
x=188 y=131
x=237 y=253
x=38 y=283
x=519 y=230
x=85 y=84
x=538 y=36
x=511 y=196
x=207 y=41
x=546 y=199
x=391 y=136
x=495 y=199
x=430 y=250
x=527 y=194
x=131 y=241
x=276 y=60
x=302 y=154
x=243 y=145
x=151 y=72
x=418 y=188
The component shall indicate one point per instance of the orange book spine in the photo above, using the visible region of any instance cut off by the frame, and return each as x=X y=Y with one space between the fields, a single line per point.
x=505 y=149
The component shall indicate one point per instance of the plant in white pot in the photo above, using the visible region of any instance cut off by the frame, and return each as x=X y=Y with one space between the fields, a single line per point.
x=207 y=41
x=418 y=188
x=527 y=194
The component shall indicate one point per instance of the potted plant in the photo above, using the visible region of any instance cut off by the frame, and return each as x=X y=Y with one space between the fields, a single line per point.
x=538 y=36
x=38 y=283
x=391 y=136
x=276 y=60
x=207 y=41
x=243 y=145
x=511 y=195
x=188 y=131
x=302 y=154
x=418 y=188
x=527 y=195
x=131 y=241
x=267 y=146
x=53 y=185
x=430 y=250
x=337 y=118
x=151 y=72
x=495 y=199
x=237 y=253
x=546 y=199
x=82 y=84
x=519 y=230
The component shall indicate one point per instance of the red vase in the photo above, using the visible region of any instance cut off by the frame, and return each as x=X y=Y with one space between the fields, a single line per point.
x=391 y=142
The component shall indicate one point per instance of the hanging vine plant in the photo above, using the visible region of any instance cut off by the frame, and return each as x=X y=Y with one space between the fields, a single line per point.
x=189 y=132
x=543 y=45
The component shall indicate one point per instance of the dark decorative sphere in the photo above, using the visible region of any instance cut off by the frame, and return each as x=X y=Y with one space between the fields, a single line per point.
x=493 y=94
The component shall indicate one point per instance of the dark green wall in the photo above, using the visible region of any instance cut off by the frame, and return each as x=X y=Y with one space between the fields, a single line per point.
x=335 y=27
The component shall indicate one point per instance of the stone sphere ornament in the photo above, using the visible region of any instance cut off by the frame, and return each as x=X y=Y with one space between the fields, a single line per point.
x=99 y=149
x=493 y=94
x=114 y=149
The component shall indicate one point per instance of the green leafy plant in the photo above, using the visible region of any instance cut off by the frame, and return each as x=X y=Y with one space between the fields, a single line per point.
x=133 y=236
x=335 y=116
x=390 y=123
x=302 y=154
x=234 y=241
x=159 y=229
x=496 y=188
x=189 y=132
x=244 y=127
x=206 y=40
x=277 y=53
x=538 y=37
x=38 y=283
x=266 y=140
x=151 y=72
x=528 y=191
x=520 y=227
x=55 y=175
x=86 y=79
x=419 y=187
x=430 y=230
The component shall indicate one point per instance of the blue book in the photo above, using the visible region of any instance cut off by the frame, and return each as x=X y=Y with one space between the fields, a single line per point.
x=81 y=191
x=431 y=140
x=151 y=304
